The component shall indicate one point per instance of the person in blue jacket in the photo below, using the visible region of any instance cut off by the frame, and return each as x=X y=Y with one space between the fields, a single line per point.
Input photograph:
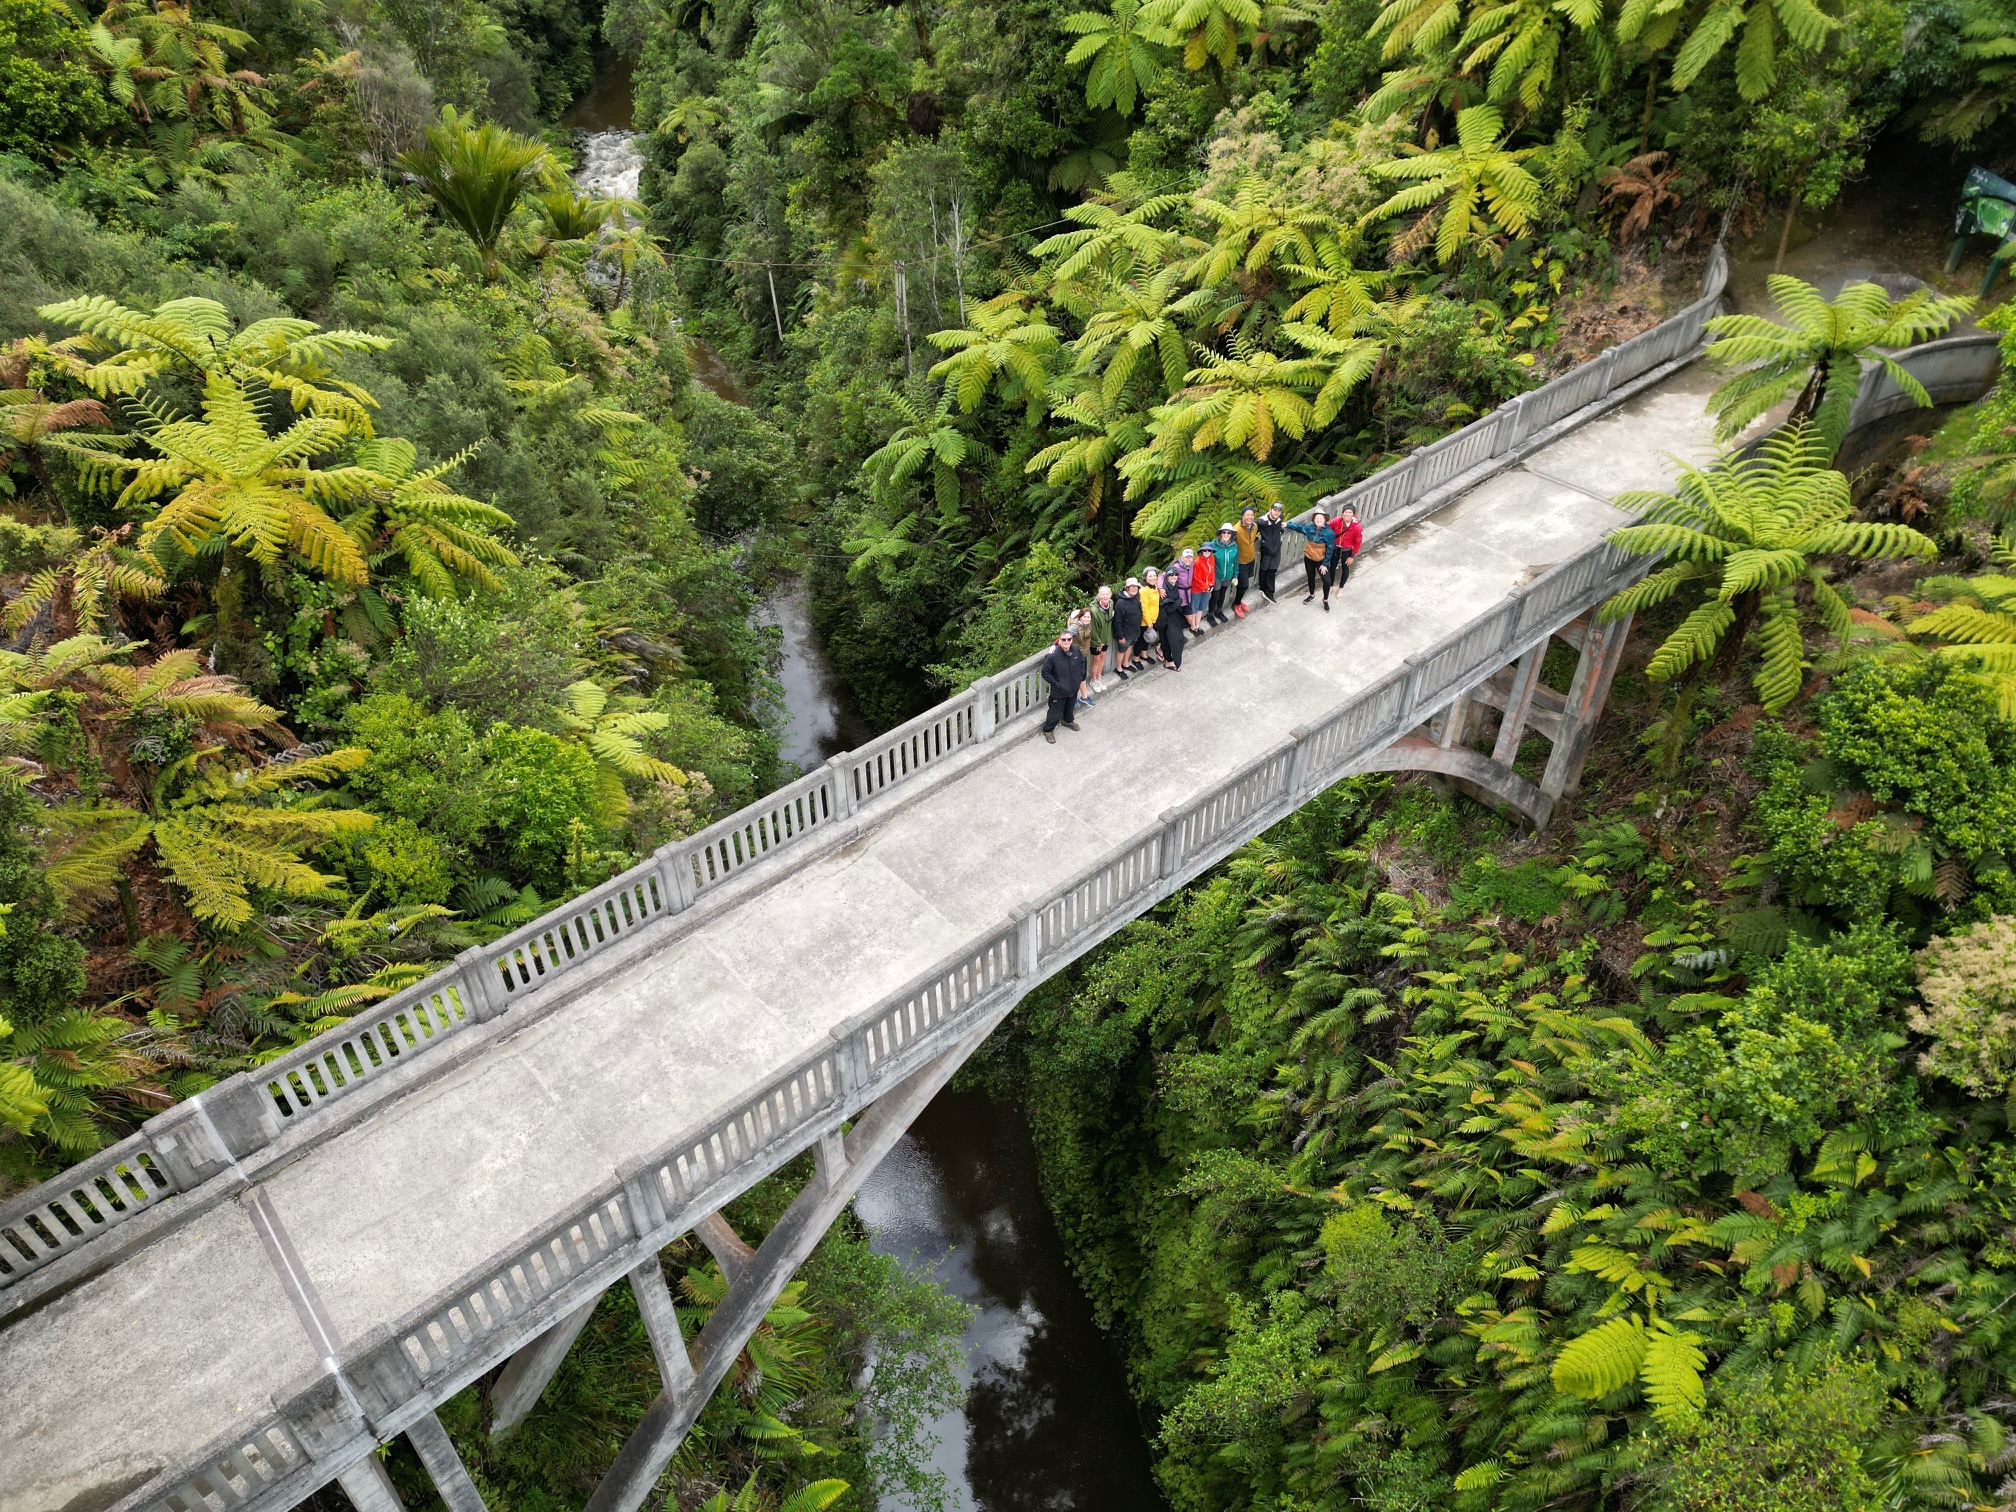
x=1319 y=548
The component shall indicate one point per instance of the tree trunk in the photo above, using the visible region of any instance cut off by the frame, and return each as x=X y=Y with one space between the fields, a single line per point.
x=1731 y=650
x=1651 y=98
x=129 y=910
x=1785 y=236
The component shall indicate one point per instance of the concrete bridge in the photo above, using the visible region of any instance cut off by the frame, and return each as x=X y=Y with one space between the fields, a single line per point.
x=241 y=1302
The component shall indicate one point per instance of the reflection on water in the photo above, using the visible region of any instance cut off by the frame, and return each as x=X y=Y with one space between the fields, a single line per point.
x=607 y=105
x=1048 y=1424
x=818 y=721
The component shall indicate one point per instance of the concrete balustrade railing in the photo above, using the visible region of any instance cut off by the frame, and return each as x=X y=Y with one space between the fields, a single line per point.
x=393 y=1375
x=1393 y=493
x=205 y=1140
x=1954 y=371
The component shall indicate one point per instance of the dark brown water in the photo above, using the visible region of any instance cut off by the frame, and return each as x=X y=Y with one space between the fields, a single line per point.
x=607 y=105
x=819 y=722
x=1047 y=1425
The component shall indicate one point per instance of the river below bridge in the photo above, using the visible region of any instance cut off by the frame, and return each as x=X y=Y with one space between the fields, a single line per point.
x=1047 y=1422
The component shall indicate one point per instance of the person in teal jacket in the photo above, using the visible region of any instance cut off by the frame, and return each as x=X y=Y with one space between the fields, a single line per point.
x=1226 y=551
x=1319 y=551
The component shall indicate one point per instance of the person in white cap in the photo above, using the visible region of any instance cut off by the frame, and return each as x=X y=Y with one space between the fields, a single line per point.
x=1102 y=636
x=1126 y=627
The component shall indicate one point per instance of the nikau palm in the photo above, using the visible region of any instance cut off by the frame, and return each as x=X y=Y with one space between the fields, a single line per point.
x=475 y=174
x=1741 y=539
x=1815 y=351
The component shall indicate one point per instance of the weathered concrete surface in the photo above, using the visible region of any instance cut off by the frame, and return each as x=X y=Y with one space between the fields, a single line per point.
x=143 y=1365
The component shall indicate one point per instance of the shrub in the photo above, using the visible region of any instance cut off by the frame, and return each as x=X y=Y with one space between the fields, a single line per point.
x=1968 y=984
x=500 y=658
x=48 y=95
x=542 y=798
x=1793 y=1445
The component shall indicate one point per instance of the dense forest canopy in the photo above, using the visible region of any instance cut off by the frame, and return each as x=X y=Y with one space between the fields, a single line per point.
x=376 y=574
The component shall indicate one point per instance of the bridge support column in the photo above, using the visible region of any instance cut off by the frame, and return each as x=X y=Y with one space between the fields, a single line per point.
x=1602 y=650
x=661 y=1322
x=369 y=1487
x=451 y=1477
x=725 y=1245
x=530 y=1370
x=1518 y=705
x=751 y=1295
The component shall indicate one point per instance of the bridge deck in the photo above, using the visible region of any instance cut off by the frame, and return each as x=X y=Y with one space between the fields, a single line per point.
x=140 y=1366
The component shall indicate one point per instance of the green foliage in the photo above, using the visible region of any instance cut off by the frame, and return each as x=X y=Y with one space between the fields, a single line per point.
x=1121 y=51
x=1796 y=1441
x=1474 y=189
x=544 y=799
x=1976 y=623
x=475 y=174
x=48 y=96
x=1814 y=350
x=1741 y=538
x=1906 y=811
x=1388 y=1202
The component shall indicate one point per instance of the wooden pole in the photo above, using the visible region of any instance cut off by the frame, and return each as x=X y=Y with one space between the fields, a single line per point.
x=903 y=317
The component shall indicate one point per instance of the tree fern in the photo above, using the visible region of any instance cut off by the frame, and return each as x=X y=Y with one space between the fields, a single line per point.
x=1813 y=352
x=1602 y=1361
x=1747 y=534
x=122 y=350
x=1976 y=623
x=1476 y=188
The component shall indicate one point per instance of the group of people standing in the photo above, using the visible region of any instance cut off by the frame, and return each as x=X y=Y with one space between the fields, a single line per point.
x=1146 y=625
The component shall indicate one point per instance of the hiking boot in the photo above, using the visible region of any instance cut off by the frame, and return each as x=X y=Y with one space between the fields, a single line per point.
x=1071 y=724
x=1051 y=736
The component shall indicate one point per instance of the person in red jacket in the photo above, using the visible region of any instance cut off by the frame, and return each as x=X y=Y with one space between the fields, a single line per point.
x=1350 y=541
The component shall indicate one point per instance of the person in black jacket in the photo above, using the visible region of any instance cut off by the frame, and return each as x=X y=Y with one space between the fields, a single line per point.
x=1271 y=528
x=1064 y=672
x=1172 y=628
x=1126 y=627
